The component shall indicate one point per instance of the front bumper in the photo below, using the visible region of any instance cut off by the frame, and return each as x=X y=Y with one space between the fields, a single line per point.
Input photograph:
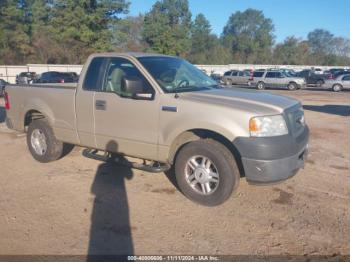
x=273 y=159
x=272 y=171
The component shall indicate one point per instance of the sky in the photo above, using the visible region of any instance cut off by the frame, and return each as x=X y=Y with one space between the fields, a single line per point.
x=290 y=17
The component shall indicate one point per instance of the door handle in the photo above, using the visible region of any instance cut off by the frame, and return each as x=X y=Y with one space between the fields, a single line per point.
x=100 y=105
x=169 y=108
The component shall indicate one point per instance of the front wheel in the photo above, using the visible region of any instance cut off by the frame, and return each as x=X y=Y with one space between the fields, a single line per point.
x=261 y=86
x=42 y=142
x=337 y=88
x=206 y=172
x=292 y=87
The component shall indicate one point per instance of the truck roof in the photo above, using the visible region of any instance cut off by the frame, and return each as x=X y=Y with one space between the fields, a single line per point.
x=134 y=54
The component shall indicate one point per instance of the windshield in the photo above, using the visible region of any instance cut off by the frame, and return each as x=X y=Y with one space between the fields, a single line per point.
x=175 y=75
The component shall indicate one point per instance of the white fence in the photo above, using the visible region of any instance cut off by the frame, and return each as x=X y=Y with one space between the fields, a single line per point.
x=8 y=73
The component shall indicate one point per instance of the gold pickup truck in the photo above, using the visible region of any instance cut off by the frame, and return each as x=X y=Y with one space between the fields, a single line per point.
x=165 y=111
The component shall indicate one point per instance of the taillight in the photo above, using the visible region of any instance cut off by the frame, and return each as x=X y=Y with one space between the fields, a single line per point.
x=7 y=101
x=330 y=77
x=251 y=78
x=62 y=81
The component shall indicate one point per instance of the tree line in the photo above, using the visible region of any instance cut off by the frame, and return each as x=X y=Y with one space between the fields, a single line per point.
x=67 y=31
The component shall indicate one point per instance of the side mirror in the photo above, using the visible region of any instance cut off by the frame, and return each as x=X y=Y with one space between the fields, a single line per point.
x=133 y=86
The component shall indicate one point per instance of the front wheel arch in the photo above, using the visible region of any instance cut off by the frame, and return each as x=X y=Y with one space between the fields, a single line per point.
x=197 y=134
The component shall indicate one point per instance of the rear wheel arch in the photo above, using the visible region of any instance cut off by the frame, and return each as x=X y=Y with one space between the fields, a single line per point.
x=32 y=115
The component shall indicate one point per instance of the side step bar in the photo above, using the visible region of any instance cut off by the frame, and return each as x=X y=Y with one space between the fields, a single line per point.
x=153 y=167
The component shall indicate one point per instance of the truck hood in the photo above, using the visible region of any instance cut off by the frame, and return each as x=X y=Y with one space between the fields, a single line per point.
x=248 y=100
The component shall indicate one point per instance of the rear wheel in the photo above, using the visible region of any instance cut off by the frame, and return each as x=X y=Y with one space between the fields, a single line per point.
x=206 y=172
x=42 y=142
x=292 y=86
x=337 y=88
x=260 y=86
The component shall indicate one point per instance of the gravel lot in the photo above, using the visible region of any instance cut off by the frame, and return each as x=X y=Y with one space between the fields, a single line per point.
x=81 y=206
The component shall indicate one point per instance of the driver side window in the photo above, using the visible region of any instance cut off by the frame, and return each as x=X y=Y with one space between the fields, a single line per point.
x=119 y=69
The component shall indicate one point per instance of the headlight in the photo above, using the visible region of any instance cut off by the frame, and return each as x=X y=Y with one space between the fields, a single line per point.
x=264 y=126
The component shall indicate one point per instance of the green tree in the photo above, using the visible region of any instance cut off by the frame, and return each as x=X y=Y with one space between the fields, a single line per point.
x=202 y=40
x=127 y=34
x=320 y=41
x=167 y=27
x=321 y=47
x=45 y=47
x=292 y=51
x=82 y=26
x=219 y=54
x=14 y=39
x=341 y=46
x=249 y=35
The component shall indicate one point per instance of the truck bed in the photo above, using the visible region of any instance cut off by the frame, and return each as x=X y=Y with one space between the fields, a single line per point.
x=55 y=101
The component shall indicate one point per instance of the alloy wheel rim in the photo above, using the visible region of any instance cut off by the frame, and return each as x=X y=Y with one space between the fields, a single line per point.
x=202 y=175
x=38 y=142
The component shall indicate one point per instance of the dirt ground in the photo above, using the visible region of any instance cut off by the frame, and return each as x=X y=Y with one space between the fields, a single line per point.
x=81 y=206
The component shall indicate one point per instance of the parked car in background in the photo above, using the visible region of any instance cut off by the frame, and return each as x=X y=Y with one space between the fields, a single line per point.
x=56 y=77
x=335 y=72
x=75 y=76
x=338 y=84
x=318 y=71
x=339 y=73
x=3 y=83
x=236 y=77
x=226 y=75
x=311 y=78
x=26 y=78
x=217 y=77
x=288 y=72
x=274 y=78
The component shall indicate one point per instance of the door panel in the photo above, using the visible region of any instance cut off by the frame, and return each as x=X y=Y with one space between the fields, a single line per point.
x=123 y=124
x=127 y=126
x=346 y=81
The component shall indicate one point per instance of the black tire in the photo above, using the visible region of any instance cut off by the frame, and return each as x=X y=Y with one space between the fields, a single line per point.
x=54 y=148
x=319 y=83
x=292 y=86
x=224 y=162
x=337 y=88
x=260 y=86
